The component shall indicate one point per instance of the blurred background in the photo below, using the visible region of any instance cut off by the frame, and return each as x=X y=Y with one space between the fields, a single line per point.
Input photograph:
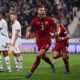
x=67 y=10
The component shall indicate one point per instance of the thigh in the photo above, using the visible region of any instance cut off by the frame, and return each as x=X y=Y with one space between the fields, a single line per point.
x=46 y=46
x=65 y=49
x=42 y=52
x=3 y=43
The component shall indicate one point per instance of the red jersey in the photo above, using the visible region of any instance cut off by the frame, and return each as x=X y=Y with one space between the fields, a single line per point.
x=43 y=28
x=63 y=33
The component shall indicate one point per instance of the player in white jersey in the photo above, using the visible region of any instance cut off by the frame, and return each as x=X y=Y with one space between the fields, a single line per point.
x=4 y=43
x=16 y=41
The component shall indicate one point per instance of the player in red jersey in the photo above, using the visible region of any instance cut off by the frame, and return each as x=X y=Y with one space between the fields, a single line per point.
x=61 y=45
x=43 y=37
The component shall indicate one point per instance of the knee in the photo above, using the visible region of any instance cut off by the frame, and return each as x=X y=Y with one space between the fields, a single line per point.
x=54 y=56
x=64 y=56
x=38 y=57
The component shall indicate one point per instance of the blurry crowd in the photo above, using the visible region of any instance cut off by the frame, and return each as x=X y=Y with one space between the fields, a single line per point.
x=26 y=10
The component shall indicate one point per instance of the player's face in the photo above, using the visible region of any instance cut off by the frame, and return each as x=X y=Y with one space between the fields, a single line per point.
x=57 y=21
x=41 y=12
x=11 y=17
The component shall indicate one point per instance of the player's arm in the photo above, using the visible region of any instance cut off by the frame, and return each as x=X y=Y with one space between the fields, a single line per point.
x=66 y=37
x=58 y=30
x=16 y=36
x=28 y=32
x=65 y=32
x=55 y=25
x=32 y=24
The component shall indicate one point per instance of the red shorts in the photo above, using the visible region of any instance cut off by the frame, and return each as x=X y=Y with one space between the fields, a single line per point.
x=43 y=46
x=59 y=48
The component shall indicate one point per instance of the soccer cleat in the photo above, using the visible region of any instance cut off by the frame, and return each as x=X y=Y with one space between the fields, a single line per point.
x=9 y=70
x=52 y=67
x=67 y=72
x=28 y=75
x=16 y=69
x=1 y=70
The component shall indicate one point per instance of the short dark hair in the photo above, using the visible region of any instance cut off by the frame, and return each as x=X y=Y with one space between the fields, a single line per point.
x=40 y=6
x=13 y=13
x=58 y=17
x=1 y=13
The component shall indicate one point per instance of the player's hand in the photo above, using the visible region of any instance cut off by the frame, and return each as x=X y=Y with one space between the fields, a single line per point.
x=27 y=36
x=59 y=38
x=13 y=44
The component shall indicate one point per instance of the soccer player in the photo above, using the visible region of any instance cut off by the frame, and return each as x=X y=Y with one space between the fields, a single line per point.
x=43 y=24
x=61 y=45
x=16 y=41
x=4 y=43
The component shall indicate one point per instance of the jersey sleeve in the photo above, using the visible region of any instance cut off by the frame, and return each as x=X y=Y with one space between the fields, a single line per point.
x=18 y=27
x=64 y=30
x=1 y=25
x=32 y=24
x=53 y=23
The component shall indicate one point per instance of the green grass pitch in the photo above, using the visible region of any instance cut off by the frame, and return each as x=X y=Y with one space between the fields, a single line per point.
x=43 y=72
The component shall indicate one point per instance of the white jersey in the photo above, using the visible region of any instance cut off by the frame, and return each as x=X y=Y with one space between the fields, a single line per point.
x=16 y=26
x=3 y=28
x=4 y=40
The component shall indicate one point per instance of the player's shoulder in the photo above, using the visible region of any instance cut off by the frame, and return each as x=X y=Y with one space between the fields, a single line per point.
x=36 y=18
x=3 y=20
x=61 y=26
x=49 y=19
x=17 y=22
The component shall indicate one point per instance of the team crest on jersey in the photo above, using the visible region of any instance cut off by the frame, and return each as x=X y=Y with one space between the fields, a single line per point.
x=46 y=22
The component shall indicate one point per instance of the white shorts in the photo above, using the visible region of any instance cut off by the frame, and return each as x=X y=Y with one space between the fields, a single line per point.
x=17 y=48
x=4 y=40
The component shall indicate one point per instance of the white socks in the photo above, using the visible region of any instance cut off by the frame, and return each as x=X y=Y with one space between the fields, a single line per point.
x=8 y=62
x=18 y=61
x=1 y=65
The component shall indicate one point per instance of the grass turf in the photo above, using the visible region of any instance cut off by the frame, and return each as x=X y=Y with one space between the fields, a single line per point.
x=43 y=72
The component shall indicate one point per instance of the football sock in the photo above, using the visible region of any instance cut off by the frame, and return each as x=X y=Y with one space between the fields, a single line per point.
x=46 y=59
x=1 y=65
x=8 y=62
x=20 y=62
x=16 y=61
x=66 y=63
x=36 y=63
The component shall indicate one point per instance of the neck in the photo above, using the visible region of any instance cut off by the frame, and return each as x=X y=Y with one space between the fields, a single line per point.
x=1 y=19
x=41 y=16
x=14 y=20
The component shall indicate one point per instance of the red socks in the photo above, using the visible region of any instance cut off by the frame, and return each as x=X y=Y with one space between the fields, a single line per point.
x=66 y=63
x=46 y=59
x=36 y=63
